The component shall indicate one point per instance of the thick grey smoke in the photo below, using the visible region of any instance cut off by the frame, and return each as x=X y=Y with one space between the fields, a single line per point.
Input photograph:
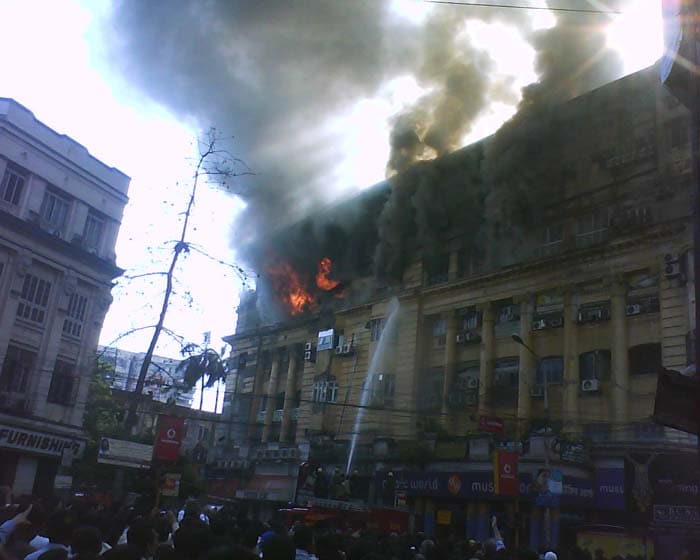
x=272 y=72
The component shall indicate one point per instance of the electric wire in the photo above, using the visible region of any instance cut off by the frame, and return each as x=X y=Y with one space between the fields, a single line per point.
x=523 y=7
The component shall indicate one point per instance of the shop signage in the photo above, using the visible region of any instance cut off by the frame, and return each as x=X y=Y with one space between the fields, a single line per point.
x=505 y=473
x=125 y=453
x=572 y=451
x=170 y=430
x=548 y=487
x=576 y=492
x=491 y=424
x=63 y=482
x=12 y=437
x=171 y=485
x=610 y=488
x=676 y=515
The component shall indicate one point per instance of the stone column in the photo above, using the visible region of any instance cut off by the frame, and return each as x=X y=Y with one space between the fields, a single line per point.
x=486 y=357
x=271 y=393
x=450 y=360
x=620 y=361
x=528 y=365
x=571 y=382
x=289 y=395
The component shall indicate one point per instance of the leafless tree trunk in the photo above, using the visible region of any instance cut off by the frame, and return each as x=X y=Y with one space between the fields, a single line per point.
x=212 y=162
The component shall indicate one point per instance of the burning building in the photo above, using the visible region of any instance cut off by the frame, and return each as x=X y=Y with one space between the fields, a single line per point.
x=570 y=229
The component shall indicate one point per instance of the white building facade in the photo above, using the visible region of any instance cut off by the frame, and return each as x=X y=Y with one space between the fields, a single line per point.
x=60 y=212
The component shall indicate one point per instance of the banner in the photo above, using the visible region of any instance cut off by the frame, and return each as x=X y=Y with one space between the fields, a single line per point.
x=171 y=485
x=505 y=473
x=169 y=439
x=610 y=488
x=548 y=487
x=490 y=424
x=125 y=453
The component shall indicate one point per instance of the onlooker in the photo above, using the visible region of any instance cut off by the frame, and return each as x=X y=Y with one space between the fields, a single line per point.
x=304 y=542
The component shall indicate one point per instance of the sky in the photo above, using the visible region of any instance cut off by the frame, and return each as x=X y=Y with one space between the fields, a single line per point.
x=58 y=64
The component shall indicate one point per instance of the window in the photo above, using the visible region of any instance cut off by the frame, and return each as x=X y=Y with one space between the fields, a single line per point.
x=645 y=358
x=376 y=326
x=553 y=367
x=242 y=361
x=552 y=239
x=325 y=391
x=63 y=383
x=75 y=316
x=430 y=389
x=34 y=299
x=202 y=433
x=471 y=319
x=592 y=228
x=440 y=332
x=94 y=229
x=505 y=372
x=437 y=269
x=594 y=365
x=508 y=313
x=54 y=210
x=383 y=388
x=17 y=369
x=678 y=132
x=13 y=185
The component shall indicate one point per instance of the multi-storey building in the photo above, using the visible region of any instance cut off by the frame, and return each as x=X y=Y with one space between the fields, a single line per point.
x=163 y=382
x=568 y=229
x=60 y=211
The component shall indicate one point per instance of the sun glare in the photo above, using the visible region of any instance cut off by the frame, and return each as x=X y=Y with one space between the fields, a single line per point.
x=637 y=34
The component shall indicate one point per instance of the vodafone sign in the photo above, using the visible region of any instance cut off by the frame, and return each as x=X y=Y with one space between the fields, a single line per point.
x=167 y=446
x=505 y=473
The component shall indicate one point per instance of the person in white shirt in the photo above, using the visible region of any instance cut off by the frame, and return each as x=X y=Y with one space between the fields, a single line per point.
x=60 y=527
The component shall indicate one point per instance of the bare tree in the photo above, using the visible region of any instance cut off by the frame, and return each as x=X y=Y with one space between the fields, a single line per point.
x=215 y=164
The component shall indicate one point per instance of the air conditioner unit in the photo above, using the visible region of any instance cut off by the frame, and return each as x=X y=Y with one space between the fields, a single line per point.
x=537 y=391
x=347 y=349
x=633 y=309
x=556 y=322
x=460 y=338
x=471 y=337
x=539 y=325
x=308 y=347
x=672 y=266
x=472 y=382
x=308 y=356
x=339 y=350
x=590 y=385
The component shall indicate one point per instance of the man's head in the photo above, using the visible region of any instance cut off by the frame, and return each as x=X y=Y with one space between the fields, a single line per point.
x=142 y=536
x=277 y=547
x=304 y=538
x=87 y=542
x=60 y=526
x=192 y=540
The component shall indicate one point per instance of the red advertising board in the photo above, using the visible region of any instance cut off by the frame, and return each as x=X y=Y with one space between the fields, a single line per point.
x=169 y=439
x=505 y=473
x=490 y=424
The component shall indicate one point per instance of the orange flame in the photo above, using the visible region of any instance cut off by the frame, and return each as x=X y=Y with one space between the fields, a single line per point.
x=289 y=288
x=322 y=280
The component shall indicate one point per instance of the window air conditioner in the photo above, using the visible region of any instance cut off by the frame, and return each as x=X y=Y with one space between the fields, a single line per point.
x=339 y=350
x=556 y=322
x=460 y=338
x=633 y=309
x=590 y=385
x=472 y=383
x=347 y=349
x=307 y=347
x=309 y=356
x=672 y=266
x=472 y=337
x=539 y=325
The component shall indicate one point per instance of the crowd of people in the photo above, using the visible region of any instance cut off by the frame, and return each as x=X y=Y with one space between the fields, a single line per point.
x=80 y=531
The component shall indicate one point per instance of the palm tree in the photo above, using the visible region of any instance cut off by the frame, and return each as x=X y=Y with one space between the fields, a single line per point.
x=205 y=367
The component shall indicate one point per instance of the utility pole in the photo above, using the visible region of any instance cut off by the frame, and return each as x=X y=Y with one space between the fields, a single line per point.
x=545 y=391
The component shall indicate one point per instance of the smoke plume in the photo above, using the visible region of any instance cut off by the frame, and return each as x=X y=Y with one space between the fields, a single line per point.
x=274 y=72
